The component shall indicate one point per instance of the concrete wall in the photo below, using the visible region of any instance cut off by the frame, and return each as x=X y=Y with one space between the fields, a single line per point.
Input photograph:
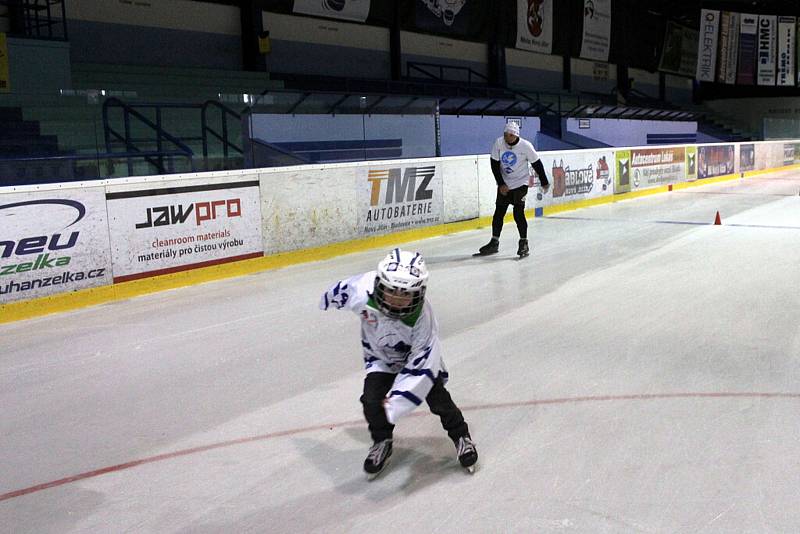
x=417 y=47
x=475 y=135
x=417 y=132
x=751 y=114
x=305 y=45
x=619 y=132
x=678 y=89
x=166 y=33
x=593 y=76
x=644 y=82
x=38 y=66
x=530 y=71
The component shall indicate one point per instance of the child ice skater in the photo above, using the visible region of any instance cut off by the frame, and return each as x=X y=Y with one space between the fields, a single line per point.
x=402 y=353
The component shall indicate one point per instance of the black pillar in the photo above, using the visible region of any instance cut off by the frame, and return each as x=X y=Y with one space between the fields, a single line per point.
x=395 y=51
x=16 y=18
x=252 y=28
x=623 y=80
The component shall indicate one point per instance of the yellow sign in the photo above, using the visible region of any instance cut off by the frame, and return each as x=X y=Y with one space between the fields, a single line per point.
x=264 y=44
x=5 y=83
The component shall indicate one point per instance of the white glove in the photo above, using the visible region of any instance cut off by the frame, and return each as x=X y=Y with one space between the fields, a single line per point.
x=336 y=296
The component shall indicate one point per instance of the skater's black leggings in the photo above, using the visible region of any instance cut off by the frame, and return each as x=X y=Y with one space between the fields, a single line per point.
x=377 y=385
x=517 y=198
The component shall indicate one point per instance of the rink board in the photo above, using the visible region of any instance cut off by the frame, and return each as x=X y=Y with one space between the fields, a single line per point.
x=269 y=218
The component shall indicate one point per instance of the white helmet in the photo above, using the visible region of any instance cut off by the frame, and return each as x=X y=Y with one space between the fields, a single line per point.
x=400 y=283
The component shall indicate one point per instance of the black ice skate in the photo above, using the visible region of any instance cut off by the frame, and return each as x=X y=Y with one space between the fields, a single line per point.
x=492 y=247
x=377 y=458
x=523 y=251
x=467 y=454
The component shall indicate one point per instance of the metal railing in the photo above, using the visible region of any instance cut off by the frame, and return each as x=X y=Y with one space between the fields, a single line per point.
x=114 y=138
x=40 y=19
x=426 y=68
x=207 y=131
x=222 y=136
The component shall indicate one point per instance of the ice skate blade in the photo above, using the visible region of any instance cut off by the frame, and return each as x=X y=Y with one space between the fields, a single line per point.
x=470 y=470
x=478 y=254
x=373 y=476
x=523 y=256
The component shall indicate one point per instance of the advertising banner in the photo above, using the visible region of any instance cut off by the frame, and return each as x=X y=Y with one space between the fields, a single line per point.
x=653 y=167
x=707 y=45
x=622 y=178
x=53 y=242
x=788 y=154
x=456 y=18
x=767 y=26
x=691 y=163
x=535 y=25
x=797 y=51
x=787 y=28
x=717 y=160
x=747 y=157
x=745 y=70
x=356 y=10
x=162 y=230
x=580 y=175
x=596 y=41
x=399 y=197
x=728 y=47
x=679 y=53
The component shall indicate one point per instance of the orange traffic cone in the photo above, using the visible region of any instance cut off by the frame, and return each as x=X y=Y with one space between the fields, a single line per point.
x=717 y=220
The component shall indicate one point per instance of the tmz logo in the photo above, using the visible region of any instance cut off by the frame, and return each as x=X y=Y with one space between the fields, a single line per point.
x=203 y=211
x=396 y=187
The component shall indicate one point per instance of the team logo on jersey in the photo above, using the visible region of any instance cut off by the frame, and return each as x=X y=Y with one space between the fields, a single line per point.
x=370 y=318
x=508 y=159
x=392 y=343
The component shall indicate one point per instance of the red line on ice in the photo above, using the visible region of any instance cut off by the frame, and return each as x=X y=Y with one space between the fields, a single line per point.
x=331 y=426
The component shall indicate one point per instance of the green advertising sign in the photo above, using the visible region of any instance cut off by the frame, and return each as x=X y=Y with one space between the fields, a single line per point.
x=691 y=163
x=623 y=174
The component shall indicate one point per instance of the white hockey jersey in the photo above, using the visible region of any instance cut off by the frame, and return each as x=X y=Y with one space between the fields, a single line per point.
x=407 y=347
x=515 y=161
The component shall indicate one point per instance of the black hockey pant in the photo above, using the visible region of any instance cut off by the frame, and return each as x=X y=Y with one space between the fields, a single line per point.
x=517 y=198
x=377 y=385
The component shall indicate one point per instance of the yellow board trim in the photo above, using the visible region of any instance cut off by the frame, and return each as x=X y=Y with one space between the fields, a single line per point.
x=62 y=302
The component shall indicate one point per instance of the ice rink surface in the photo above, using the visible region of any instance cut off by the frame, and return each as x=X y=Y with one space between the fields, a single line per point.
x=640 y=372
